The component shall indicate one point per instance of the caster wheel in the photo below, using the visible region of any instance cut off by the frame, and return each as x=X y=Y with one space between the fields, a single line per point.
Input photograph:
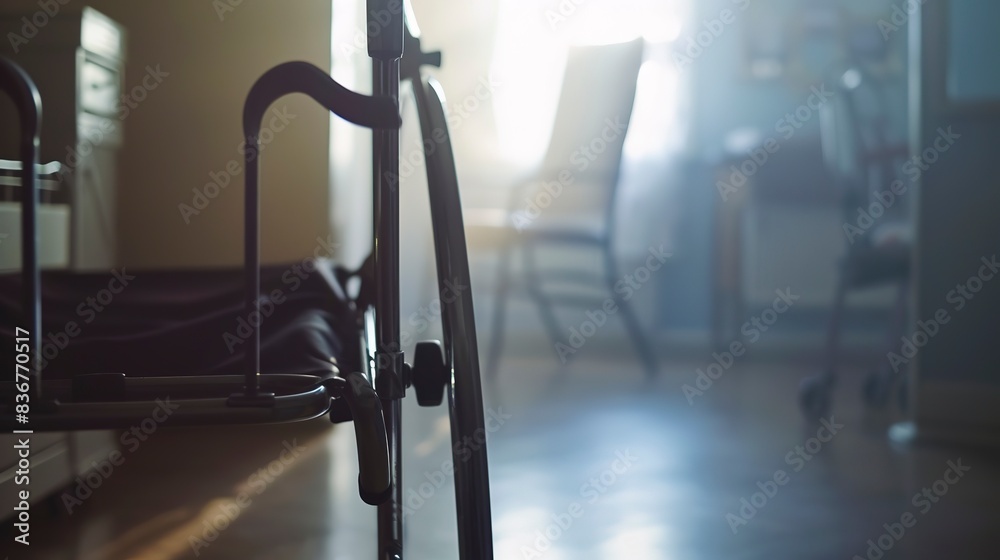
x=875 y=390
x=814 y=397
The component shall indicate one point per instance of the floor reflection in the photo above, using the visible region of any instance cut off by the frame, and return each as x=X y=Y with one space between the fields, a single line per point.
x=585 y=465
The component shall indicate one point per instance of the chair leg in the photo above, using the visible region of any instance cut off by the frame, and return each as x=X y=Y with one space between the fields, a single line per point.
x=640 y=339
x=896 y=331
x=545 y=307
x=635 y=331
x=898 y=314
x=898 y=321
x=499 y=312
x=831 y=360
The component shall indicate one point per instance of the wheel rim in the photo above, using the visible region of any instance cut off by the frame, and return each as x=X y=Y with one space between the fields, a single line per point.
x=465 y=398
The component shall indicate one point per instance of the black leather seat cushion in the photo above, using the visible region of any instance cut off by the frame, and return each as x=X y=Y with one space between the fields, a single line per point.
x=186 y=322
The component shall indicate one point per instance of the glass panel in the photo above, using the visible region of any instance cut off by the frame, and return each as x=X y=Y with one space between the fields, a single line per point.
x=973 y=42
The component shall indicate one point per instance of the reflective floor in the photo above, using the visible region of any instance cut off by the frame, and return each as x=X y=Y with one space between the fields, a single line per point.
x=588 y=463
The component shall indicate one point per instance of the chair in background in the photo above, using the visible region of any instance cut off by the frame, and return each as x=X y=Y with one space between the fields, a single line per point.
x=574 y=195
x=865 y=162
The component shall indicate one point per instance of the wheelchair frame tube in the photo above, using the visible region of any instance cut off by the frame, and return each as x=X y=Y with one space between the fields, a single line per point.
x=22 y=91
x=389 y=356
x=385 y=47
x=385 y=82
x=290 y=77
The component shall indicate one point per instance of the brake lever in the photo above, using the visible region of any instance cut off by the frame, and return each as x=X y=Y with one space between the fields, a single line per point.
x=374 y=483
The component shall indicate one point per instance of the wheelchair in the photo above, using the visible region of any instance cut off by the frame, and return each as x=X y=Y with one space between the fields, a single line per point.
x=324 y=352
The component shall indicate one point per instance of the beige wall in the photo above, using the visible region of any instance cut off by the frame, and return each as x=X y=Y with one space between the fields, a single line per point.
x=190 y=125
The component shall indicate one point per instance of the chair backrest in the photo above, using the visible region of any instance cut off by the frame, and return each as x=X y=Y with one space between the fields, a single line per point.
x=595 y=106
x=859 y=146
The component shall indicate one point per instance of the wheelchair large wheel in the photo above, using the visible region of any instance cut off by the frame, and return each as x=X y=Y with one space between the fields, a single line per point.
x=461 y=354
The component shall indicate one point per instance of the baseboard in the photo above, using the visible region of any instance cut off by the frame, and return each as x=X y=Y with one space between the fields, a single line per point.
x=958 y=412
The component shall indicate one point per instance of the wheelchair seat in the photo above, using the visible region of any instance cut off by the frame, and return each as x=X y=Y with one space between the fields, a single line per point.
x=188 y=322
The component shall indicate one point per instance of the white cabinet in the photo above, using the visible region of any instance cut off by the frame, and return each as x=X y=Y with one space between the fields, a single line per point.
x=56 y=460
x=77 y=62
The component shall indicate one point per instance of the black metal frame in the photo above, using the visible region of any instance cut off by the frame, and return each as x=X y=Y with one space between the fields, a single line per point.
x=863 y=265
x=371 y=398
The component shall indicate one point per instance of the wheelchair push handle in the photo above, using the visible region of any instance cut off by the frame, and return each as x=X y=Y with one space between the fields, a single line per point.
x=290 y=77
x=374 y=482
x=303 y=77
x=385 y=29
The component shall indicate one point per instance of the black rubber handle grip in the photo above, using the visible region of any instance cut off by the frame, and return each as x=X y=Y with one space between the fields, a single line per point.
x=385 y=29
x=374 y=482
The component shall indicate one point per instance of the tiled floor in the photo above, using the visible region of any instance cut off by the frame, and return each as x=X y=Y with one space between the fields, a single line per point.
x=592 y=463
